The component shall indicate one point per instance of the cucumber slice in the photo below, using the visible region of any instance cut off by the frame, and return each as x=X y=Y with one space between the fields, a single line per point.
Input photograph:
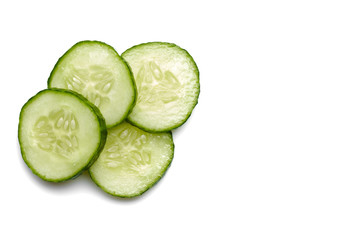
x=168 y=87
x=60 y=134
x=95 y=70
x=132 y=160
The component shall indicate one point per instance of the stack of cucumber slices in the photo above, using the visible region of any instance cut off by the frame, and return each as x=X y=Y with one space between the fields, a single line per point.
x=109 y=114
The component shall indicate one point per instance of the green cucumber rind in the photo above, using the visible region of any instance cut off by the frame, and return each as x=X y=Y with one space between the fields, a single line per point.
x=198 y=84
x=149 y=186
x=102 y=129
x=121 y=59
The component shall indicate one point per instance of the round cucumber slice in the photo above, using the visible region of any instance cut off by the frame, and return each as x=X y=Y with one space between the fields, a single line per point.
x=60 y=134
x=132 y=161
x=168 y=87
x=95 y=70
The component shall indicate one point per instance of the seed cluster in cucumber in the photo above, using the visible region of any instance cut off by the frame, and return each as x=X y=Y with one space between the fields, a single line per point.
x=110 y=114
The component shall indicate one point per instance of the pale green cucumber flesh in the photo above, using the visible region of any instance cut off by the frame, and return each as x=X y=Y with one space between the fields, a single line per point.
x=132 y=160
x=60 y=134
x=167 y=81
x=95 y=70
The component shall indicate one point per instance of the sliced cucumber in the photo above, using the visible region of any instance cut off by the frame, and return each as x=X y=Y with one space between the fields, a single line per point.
x=95 y=70
x=60 y=134
x=132 y=160
x=168 y=87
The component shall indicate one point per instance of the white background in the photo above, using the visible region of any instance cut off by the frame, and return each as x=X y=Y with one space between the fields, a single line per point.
x=272 y=150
